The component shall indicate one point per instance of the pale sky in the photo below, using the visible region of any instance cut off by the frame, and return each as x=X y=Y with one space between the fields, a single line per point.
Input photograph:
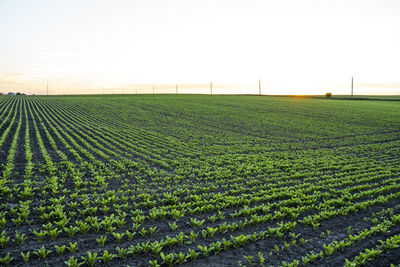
x=292 y=46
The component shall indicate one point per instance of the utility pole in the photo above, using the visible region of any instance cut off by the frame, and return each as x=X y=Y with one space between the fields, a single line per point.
x=153 y=89
x=47 y=87
x=352 y=82
x=176 y=88
x=136 y=90
x=259 y=87
x=211 y=87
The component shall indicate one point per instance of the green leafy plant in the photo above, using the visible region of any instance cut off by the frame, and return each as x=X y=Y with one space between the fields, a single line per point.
x=168 y=259
x=72 y=247
x=6 y=260
x=192 y=254
x=72 y=262
x=239 y=240
x=118 y=236
x=107 y=257
x=122 y=252
x=101 y=240
x=143 y=232
x=4 y=240
x=90 y=258
x=196 y=223
x=42 y=252
x=153 y=263
x=54 y=233
x=20 y=238
x=60 y=249
x=130 y=235
x=153 y=230
x=25 y=256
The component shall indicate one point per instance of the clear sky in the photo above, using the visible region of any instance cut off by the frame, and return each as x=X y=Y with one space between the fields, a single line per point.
x=293 y=46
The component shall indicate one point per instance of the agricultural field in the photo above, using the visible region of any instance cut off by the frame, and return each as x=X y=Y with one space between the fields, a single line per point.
x=197 y=180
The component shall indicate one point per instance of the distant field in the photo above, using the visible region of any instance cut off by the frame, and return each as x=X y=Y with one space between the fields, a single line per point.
x=365 y=97
x=198 y=180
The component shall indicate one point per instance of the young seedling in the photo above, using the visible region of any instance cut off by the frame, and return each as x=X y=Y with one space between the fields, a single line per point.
x=170 y=241
x=2 y=222
x=54 y=233
x=223 y=228
x=211 y=231
x=118 y=237
x=153 y=263
x=192 y=237
x=156 y=247
x=25 y=256
x=168 y=259
x=227 y=244
x=83 y=227
x=101 y=240
x=90 y=259
x=239 y=240
x=71 y=231
x=204 y=250
x=135 y=226
x=143 y=232
x=261 y=258
x=72 y=262
x=4 y=240
x=153 y=230
x=122 y=252
x=180 y=257
x=180 y=237
x=60 y=250
x=72 y=247
x=96 y=226
x=196 y=223
x=173 y=226
x=107 y=257
x=48 y=226
x=17 y=222
x=130 y=235
x=42 y=252
x=136 y=249
x=20 y=238
x=216 y=247
x=204 y=234
x=249 y=259
x=305 y=260
x=192 y=254
x=285 y=245
x=39 y=235
x=6 y=260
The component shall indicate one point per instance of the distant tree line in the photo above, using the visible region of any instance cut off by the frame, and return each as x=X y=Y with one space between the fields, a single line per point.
x=11 y=93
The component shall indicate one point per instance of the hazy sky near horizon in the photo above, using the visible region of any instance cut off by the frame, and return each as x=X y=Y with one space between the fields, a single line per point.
x=293 y=46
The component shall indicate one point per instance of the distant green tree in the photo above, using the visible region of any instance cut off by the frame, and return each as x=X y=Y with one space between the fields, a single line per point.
x=328 y=94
